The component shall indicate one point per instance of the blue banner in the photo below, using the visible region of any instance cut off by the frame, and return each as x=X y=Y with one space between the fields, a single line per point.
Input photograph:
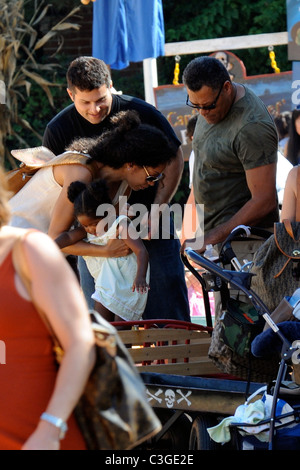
x=127 y=31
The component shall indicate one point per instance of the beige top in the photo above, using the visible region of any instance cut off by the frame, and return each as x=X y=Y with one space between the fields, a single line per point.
x=33 y=205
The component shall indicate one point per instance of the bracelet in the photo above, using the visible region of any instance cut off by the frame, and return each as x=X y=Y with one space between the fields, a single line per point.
x=57 y=422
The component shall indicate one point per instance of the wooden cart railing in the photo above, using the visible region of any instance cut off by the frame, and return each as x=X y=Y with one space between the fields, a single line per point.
x=168 y=346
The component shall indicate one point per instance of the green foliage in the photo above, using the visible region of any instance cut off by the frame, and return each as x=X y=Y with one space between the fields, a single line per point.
x=199 y=19
x=129 y=85
x=22 y=67
x=37 y=110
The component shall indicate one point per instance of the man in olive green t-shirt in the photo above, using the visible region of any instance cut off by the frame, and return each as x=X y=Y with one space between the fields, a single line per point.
x=235 y=145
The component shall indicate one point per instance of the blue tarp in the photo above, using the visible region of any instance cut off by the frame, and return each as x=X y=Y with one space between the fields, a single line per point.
x=127 y=31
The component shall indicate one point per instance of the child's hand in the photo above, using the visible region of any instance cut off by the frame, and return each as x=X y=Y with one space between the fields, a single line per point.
x=140 y=285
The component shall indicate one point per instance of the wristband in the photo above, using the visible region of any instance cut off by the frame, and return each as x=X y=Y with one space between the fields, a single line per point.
x=57 y=422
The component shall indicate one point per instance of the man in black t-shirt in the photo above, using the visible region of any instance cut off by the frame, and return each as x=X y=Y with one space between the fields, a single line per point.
x=94 y=103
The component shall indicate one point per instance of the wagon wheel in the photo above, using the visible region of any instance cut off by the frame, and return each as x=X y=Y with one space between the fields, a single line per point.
x=177 y=436
x=199 y=437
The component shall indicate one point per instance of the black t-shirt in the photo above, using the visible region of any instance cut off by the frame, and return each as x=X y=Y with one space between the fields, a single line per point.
x=69 y=125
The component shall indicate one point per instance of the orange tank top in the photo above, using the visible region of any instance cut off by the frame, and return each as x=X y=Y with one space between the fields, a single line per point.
x=27 y=368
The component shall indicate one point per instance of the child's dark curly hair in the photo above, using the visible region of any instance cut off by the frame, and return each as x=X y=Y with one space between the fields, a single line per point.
x=88 y=197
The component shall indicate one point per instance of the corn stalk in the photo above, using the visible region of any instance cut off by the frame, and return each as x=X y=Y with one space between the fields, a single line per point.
x=19 y=63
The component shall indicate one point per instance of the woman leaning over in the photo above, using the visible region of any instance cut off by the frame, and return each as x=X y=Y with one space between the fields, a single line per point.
x=30 y=383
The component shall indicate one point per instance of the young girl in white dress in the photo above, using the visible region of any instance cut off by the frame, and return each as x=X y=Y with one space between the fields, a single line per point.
x=121 y=284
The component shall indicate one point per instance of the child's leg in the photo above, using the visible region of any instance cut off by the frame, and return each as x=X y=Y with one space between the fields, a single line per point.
x=117 y=318
x=104 y=312
x=107 y=314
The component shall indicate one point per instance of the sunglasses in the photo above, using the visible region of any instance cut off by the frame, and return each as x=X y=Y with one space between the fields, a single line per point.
x=150 y=178
x=205 y=108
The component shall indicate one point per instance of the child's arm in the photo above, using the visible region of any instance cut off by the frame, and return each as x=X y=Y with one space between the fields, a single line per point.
x=70 y=237
x=130 y=236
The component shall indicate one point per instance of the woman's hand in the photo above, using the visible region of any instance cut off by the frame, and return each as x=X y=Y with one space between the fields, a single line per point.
x=117 y=248
x=45 y=437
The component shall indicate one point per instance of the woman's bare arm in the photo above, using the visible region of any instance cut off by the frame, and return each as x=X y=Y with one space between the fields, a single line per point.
x=63 y=217
x=55 y=290
x=288 y=210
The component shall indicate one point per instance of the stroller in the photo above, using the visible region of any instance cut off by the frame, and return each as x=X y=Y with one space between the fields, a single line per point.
x=280 y=424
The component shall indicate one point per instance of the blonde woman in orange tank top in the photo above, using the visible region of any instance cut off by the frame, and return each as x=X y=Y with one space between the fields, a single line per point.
x=36 y=398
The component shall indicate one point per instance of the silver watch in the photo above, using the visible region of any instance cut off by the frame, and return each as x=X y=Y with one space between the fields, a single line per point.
x=57 y=422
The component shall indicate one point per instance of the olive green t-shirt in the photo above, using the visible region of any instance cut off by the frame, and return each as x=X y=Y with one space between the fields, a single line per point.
x=246 y=138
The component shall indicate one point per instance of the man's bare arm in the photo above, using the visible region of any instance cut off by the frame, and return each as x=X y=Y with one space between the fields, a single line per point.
x=172 y=176
x=261 y=182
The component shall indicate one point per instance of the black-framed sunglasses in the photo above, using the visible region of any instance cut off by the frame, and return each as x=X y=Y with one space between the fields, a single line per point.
x=205 y=108
x=151 y=178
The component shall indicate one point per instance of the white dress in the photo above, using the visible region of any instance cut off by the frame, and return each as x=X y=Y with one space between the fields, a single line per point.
x=114 y=278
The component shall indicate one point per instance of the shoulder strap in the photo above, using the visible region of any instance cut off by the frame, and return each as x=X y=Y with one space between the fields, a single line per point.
x=75 y=158
x=21 y=268
x=298 y=196
x=40 y=157
x=120 y=192
x=288 y=227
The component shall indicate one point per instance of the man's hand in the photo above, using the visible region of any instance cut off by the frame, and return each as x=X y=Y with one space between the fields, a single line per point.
x=195 y=243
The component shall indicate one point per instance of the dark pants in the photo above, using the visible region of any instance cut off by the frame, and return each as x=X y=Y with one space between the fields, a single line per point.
x=168 y=296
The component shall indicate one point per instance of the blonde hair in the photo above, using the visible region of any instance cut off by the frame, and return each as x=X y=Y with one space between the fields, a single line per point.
x=4 y=207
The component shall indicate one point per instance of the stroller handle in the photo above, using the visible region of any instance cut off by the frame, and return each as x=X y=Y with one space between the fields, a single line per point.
x=239 y=279
x=241 y=232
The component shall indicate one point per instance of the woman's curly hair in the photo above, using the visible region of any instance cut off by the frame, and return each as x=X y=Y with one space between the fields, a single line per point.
x=128 y=141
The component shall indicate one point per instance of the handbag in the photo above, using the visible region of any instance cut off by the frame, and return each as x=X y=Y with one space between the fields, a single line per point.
x=246 y=367
x=276 y=264
x=230 y=347
x=18 y=177
x=113 y=412
x=33 y=159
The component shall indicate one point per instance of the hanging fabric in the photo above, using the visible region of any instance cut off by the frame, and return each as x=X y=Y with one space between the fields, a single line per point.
x=127 y=31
